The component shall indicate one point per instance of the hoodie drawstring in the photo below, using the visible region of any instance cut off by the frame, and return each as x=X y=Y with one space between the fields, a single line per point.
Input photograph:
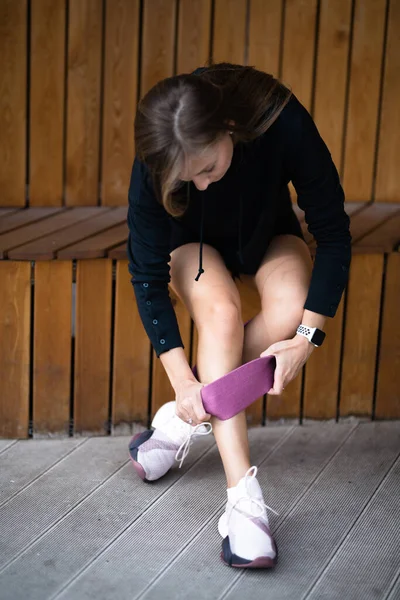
x=201 y=270
x=239 y=252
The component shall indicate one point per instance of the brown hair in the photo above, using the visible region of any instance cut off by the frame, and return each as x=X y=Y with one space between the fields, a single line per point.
x=184 y=114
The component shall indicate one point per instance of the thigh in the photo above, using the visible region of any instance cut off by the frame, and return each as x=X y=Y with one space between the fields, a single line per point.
x=215 y=288
x=283 y=277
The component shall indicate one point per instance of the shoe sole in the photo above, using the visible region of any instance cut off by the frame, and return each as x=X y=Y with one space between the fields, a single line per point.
x=231 y=560
x=133 y=451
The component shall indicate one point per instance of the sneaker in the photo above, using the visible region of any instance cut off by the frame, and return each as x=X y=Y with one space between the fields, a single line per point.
x=154 y=451
x=248 y=542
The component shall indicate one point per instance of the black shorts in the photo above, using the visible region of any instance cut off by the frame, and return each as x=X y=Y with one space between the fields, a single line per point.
x=286 y=224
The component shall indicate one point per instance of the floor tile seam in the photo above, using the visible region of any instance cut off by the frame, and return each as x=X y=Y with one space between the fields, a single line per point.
x=176 y=556
x=198 y=532
x=10 y=445
x=242 y=574
x=148 y=507
x=61 y=518
x=349 y=530
x=392 y=585
x=58 y=461
x=316 y=477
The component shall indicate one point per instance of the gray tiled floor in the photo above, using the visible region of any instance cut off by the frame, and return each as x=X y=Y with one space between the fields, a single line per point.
x=77 y=523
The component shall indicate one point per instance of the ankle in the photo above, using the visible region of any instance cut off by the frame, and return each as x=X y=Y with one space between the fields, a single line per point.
x=233 y=478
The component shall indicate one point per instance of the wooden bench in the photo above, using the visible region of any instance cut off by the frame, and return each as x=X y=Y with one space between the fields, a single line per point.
x=76 y=359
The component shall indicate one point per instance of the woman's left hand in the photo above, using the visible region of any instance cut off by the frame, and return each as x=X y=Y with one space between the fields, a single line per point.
x=290 y=356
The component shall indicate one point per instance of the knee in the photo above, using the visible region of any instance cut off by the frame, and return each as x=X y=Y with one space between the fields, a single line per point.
x=223 y=316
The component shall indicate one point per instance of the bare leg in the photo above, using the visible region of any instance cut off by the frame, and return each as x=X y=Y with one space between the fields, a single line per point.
x=214 y=304
x=231 y=434
x=223 y=343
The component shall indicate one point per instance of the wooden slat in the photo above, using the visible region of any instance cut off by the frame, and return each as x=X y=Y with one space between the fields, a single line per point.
x=330 y=84
x=361 y=335
x=229 y=31
x=298 y=48
x=383 y=239
x=298 y=53
x=52 y=347
x=118 y=253
x=92 y=345
x=47 y=85
x=365 y=75
x=25 y=216
x=158 y=42
x=265 y=26
x=388 y=385
x=321 y=385
x=193 y=35
x=4 y=212
x=130 y=396
x=371 y=218
x=162 y=390
x=388 y=181
x=95 y=220
x=286 y=406
x=98 y=245
x=353 y=208
x=120 y=95
x=15 y=319
x=13 y=28
x=83 y=106
x=21 y=236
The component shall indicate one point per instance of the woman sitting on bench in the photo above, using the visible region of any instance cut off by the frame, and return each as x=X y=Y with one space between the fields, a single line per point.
x=209 y=202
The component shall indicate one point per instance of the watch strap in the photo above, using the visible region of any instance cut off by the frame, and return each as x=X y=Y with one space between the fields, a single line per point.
x=309 y=333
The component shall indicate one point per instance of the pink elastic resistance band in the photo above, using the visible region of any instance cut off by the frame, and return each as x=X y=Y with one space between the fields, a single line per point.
x=230 y=394
x=235 y=391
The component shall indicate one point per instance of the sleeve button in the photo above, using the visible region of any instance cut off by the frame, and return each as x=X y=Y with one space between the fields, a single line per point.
x=162 y=341
x=155 y=322
x=344 y=268
x=146 y=285
x=148 y=302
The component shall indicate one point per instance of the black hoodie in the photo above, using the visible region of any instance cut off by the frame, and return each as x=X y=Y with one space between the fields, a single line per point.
x=242 y=209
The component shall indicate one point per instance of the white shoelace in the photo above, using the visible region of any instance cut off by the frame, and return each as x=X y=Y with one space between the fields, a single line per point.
x=185 y=446
x=253 y=501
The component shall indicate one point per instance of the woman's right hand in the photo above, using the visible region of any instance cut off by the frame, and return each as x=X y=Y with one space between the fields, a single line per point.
x=189 y=404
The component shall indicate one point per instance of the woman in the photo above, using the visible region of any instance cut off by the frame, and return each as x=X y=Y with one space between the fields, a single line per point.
x=208 y=201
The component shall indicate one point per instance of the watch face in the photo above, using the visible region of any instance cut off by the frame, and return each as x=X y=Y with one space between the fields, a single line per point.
x=318 y=337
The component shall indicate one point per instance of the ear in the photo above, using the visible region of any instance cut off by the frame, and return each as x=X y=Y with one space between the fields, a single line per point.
x=230 y=123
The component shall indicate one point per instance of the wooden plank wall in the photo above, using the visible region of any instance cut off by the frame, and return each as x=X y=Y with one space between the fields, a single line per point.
x=80 y=362
x=72 y=72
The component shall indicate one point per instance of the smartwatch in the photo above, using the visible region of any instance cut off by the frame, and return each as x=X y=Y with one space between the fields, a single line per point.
x=314 y=335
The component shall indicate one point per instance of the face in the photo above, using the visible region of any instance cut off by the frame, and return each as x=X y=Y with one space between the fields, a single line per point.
x=211 y=165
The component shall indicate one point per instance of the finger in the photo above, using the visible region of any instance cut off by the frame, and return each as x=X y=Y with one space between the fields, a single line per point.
x=184 y=413
x=271 y=349
x=278 y=382
x=200 y=413
x=266 y=352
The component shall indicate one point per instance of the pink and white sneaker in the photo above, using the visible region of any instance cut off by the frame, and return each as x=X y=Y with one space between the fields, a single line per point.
x=248 y=542
x=153 y=452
